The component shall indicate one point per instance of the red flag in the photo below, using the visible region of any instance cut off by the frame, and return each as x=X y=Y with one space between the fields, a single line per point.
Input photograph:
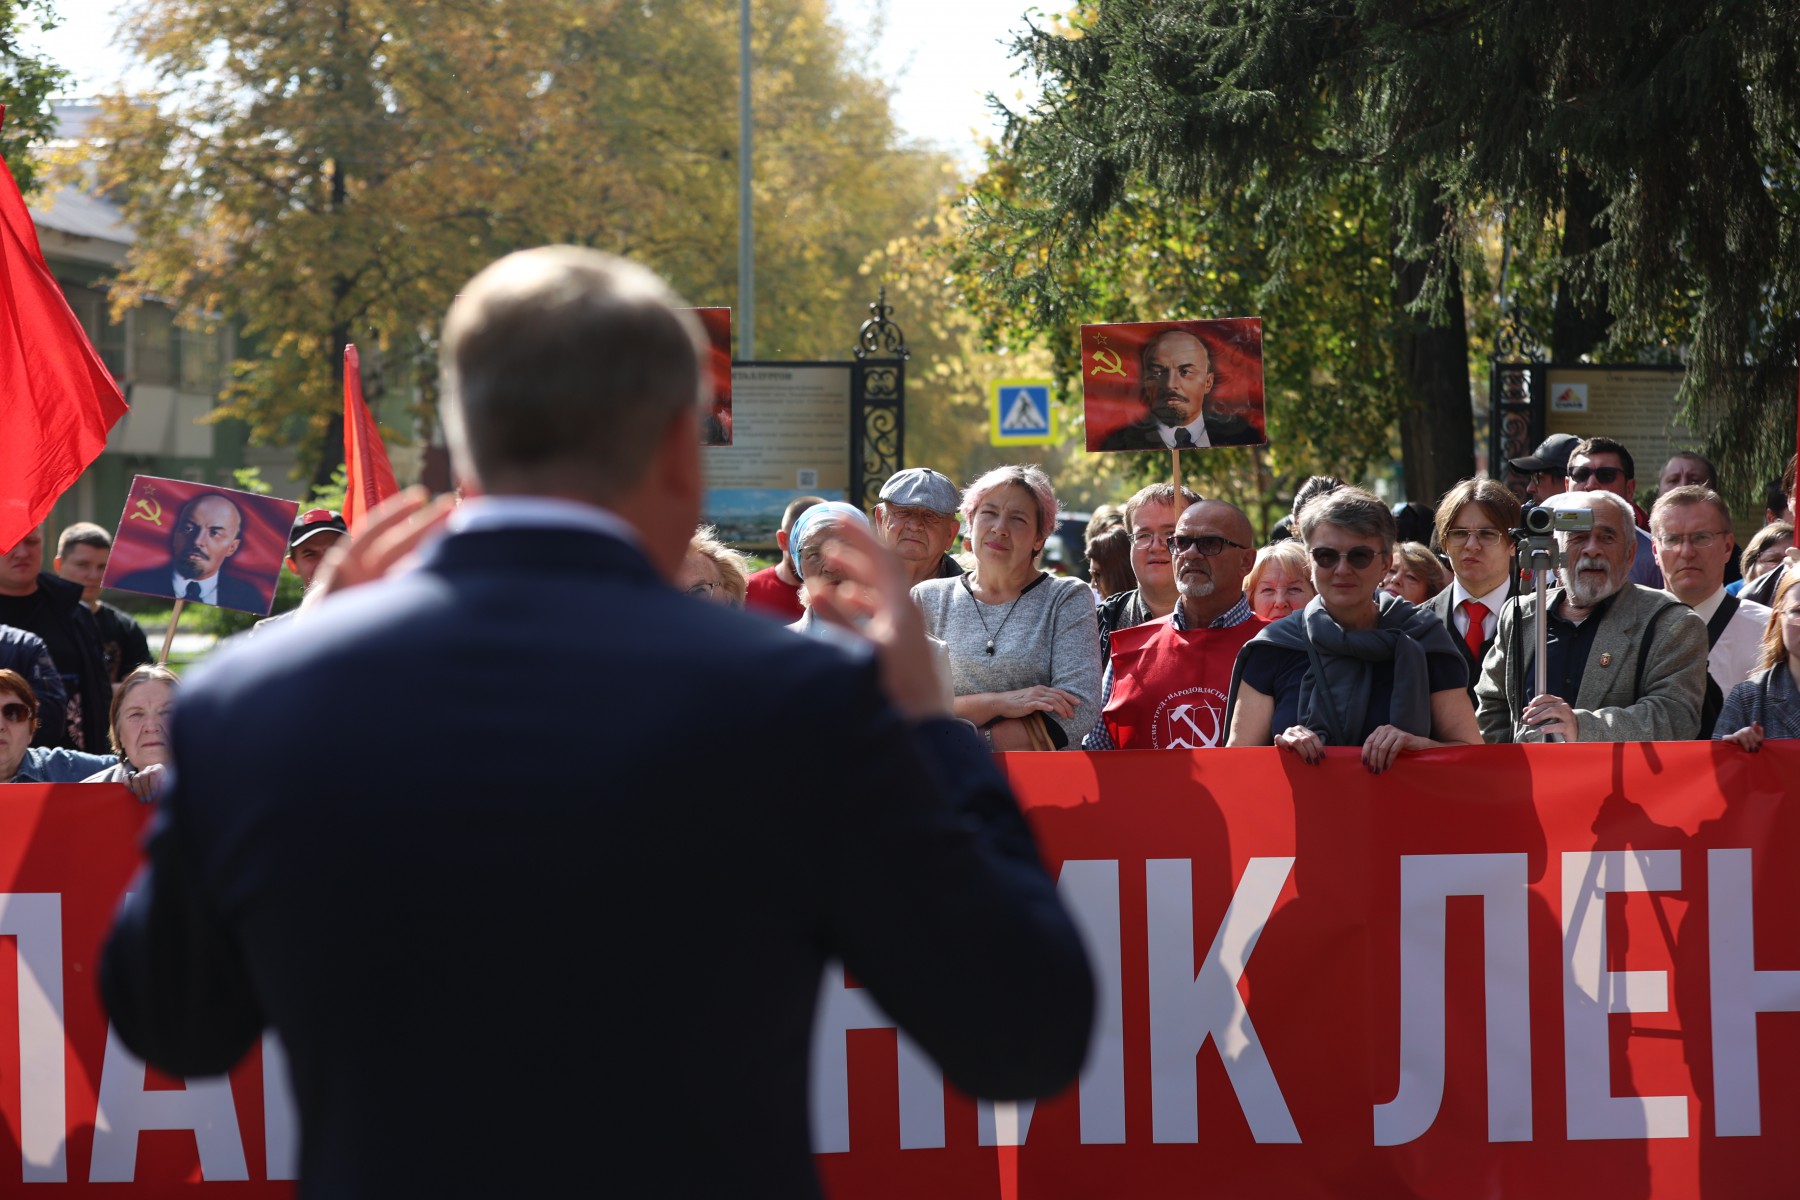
x=368 y=476
x=57 y=399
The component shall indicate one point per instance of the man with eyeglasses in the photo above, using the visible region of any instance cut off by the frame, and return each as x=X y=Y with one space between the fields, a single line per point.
x=1166 y=685
x=1601 y=464
x=1692 y=531
x=1475 y=520
x=1623 y=663
x=1150 y=518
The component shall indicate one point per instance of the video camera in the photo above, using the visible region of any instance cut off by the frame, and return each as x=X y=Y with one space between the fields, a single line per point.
x=1537 y=520
x=1539 y=555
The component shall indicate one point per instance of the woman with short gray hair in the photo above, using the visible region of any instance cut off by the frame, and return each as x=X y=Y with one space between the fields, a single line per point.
x=1356 y=666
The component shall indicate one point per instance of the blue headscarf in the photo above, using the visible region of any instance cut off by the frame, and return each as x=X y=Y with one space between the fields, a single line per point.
x=820 y=514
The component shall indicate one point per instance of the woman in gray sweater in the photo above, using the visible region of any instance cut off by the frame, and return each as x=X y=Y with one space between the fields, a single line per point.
x=1024 y=645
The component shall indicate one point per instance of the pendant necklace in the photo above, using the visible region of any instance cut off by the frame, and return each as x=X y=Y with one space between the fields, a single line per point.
x=994 y=634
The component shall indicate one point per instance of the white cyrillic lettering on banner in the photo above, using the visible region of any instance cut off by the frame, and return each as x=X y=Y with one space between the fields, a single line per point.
x=840 y=1010
x=1188 y=1007
x=1427 y=881
x=1089 y=889
x=1591 y=993
x=1739 y=992
x=127 y=1109
x=281 y=1124
x=35 y=919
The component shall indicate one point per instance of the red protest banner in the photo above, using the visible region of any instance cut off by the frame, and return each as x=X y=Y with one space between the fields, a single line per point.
x=1522 y=971
x=76 y=1108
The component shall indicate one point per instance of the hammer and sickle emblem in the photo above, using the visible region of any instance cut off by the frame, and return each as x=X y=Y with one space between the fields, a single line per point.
x=1106 y=362
x=1192 y=716
x=148 y=510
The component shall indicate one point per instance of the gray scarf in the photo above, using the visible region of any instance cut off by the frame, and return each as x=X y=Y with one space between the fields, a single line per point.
x=1334 y=692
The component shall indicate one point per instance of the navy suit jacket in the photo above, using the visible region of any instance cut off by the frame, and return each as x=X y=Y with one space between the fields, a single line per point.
x=1143 y=435
x=233 y=592
x=484 y=845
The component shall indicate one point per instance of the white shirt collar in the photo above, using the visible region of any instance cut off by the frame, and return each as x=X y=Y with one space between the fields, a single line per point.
x=1707 y=607
x=535 y=512
x=1494 y=601
x=1196 y=429
x=209 y=588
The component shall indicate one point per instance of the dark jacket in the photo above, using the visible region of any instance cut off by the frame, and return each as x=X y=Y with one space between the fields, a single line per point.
x=233 y=592
x=1143 y=435
x=581 y=946
x=25 y=652
x=68 y=629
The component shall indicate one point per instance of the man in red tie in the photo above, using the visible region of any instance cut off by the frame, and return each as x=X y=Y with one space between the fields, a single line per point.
x=1475 y=520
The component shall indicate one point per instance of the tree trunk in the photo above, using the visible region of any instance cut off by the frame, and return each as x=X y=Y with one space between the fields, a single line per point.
x=1577 y=328
x=1437 y=432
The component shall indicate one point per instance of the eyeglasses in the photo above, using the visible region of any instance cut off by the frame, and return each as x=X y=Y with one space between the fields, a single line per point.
x=1147 y=537
x=1699 y=541
x=1209 y=546
x=1484 y=537
x=1359 y=557
x=703 y=590
x=1606 y=475
x=15 y=712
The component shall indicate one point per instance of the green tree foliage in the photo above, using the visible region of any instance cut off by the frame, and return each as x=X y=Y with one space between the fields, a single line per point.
x=27 y=81
x=1646 y=154
x=334 y=171
x=953 y=366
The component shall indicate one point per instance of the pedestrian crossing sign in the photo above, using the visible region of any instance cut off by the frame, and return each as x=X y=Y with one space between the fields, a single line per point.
x=1019 y=413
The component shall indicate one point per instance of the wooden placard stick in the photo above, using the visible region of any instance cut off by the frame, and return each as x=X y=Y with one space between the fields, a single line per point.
x=1175 y=454
x=162 y=660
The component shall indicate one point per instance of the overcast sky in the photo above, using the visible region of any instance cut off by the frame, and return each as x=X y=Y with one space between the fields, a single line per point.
x=943 y=58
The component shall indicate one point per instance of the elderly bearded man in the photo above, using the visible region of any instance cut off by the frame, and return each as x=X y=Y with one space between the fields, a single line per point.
x=1624 y=663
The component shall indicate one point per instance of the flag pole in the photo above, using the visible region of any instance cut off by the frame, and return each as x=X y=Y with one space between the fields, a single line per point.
x=162 y=660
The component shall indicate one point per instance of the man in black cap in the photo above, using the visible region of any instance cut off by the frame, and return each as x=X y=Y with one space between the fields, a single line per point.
x=916 y=519
x=314 y=532
x=1546 y=469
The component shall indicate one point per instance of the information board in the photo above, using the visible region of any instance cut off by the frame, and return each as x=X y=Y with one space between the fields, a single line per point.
x=791 y=437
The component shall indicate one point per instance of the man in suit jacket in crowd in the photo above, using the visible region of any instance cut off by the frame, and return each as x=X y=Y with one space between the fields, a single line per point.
x=502 y=968
x=1474 y=524
x=1625 y=663
x=1175 y=377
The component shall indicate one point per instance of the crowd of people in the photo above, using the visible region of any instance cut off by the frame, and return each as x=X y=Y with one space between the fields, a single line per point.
x=1339 y=632
x=1390 y=629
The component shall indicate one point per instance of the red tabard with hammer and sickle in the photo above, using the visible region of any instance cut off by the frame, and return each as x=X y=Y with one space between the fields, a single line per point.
x=1169 y=684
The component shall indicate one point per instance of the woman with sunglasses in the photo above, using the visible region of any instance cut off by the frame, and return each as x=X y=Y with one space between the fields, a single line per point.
x=1356 y=666
x=20 y=761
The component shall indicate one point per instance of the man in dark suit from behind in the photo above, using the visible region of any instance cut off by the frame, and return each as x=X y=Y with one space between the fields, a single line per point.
x=502 y=968
x=208 y=530
x=1176 y=378
x=1475 y=520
